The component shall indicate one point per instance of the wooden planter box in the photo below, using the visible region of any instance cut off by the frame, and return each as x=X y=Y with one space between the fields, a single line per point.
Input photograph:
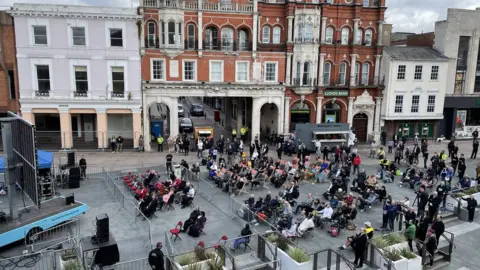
x=203 y=264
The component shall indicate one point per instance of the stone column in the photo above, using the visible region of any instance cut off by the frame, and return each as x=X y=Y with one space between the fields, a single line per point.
x=380 y=33
x=165 y=33
x=142 y=35
x=66 y=129
x=259 y=30
x=255 y=32
x=102 y=128
x=353 y=70
x=181 y=42
x=350 y=111
x=289 y=69
x=228 y=114
x=324 y=29
x=240 y=108
x=319 y=110
x=29 y=116
x=472 y=63
x=355 y=31
x=200 y=27
x=146 y=124
x=137 y=127
x=286 y=128
x=256 y=106
x=377 y=69
x=174 y=117
x=378 y=107
x=290 y=28
x=320 y=69
x=281 y=118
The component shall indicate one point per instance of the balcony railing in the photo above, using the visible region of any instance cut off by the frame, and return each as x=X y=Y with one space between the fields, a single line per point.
x=304 y=82
x=193 y=5
x=118 y=94
x=152 y=43
x=270 y=47
x=336 y=82
x=305 y=40
x=81 y=93
x=228 y=45
x=191 y=44
x=42 y=93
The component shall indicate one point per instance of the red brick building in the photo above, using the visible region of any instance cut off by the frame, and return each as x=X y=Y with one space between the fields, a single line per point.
x=8 y=66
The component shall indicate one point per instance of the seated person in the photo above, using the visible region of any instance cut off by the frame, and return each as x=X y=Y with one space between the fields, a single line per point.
x=258 y=205
x=178 y=194
x=187 y=198
x=150 y=209
x=300 y=218
x=306 y=225
x=359 y=182
x=368 y=230
x=244 y=237
x=350 y=212
x=382 y=193
x=191 y=219
x=250 y=201
x=381 y=153
x=164 y=199
x=371 y=197
x=371 y=181
x=293 y=193
x=340 y=194
x=268 y=198
x=306 y=204
x=321 y=176
x=145 y=201
x=326 y=214
x=291 y=231
x=197 y=227
x=348 y=199
x=384 y=163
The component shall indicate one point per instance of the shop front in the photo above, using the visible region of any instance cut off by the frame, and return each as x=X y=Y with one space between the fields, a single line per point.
x=461 y=116
x=410 y=128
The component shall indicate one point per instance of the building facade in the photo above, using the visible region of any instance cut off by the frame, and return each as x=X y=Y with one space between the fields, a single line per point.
x=458 y=37
x=8 y=66
x=79 y=73
x=213 y=51
x=415 y=86
x=333 y=63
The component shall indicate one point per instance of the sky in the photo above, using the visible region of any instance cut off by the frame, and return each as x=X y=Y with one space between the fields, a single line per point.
x=406 y=15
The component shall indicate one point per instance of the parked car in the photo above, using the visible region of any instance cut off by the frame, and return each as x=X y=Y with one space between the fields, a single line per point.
x=197 y=110
x=186 y=125
x=181 y=111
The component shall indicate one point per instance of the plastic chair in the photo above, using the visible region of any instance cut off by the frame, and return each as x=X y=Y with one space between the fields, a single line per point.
x=176 y=231
x=222 y=240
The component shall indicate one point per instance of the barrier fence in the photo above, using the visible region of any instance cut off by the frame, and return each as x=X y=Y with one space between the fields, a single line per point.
x=53 y=236
x=139 y=264
x=34 y=261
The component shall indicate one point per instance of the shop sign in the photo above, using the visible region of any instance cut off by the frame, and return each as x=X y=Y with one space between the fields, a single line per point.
x=336 y=93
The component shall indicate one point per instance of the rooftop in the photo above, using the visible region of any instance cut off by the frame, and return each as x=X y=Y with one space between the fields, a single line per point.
x=414 y=53
x=396 y=36
x=69 y=10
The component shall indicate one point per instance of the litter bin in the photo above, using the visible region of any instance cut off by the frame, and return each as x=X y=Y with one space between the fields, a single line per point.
x=216 y=115
x=177 y=170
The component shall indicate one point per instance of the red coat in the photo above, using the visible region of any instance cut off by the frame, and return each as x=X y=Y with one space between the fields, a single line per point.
x=356 y=161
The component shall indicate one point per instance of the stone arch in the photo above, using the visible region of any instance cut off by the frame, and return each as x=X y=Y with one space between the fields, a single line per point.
x=362 y=132
x=336 y=100
x=172 y=118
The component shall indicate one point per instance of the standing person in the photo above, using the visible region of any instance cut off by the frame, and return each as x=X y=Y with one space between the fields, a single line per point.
x=475 y=149
x=141 y=148
x=186 y=146
x=395 y=139
x=359 y=244
x=439 y=227
x=461 y=167
x=169 y=159
x=410 y=233
x=83 y=168
x=475 y=134
x=390 y=146
x=422 y=202
x=221 y=144
x=279 y=150
x=425 y=158
x=155 y=258
x=325 y=153
x=318 y=147
x=200 y=148
x=160 y=141
x=454 y=162
x=431 y=243
x=229 y=154
x=234 y=134
x=119 y=143
x=356 y=164
x=398 y=155
x=113 y=143
x=450 y=147
x=471 y=206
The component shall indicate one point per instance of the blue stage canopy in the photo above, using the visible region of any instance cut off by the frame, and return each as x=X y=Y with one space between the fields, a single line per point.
x=45 y=160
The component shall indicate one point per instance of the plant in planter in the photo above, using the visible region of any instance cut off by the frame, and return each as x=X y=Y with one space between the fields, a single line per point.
x=272 y=238
x=72 y=265
x=200 y=254
x=186 y=259
x=414 y=262
x=215 y=261
x=298 y=255
x=394 y=238
x=393 y=254
x=129 y=95
x=380 y=242
x=407 y=254
x=69 y=254
x=282 y=243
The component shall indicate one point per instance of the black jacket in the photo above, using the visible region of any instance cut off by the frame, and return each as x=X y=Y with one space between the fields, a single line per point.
x=422 y=200
x=438 y=227
x=431 y=244
x=155 y=259
x=359 y=243
x=471 y=203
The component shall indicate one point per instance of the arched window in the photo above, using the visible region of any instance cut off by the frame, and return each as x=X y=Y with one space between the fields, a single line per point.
x=299 y=33
x=151 y=34
x=327 y=68
x=342 y=73
x=242 y=37
x=306 y=73
x=211 y=38
x=171 y=32
x=329 y=35
x=368 y=37
x=359 y=37
x=357 y=73
x=308 y=33
x=191 y=36
x=332 y=112
x=276 y=34
x=365 y=73
x=345 y=37
x=227 y=39
x=266 y=34
x=298 y=74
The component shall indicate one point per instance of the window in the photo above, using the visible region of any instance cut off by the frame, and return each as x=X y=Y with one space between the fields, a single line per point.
x=358 y=38
x=368 y=37
x=418 y=73
x=345 y=33
x=43 y=78
x=191 y=36
x=242 y=72
x=81 y=79
x=216 y=71
x=242 y=40
x=431 y=103
x=189 y=71
x=211 y=38
x=151 y=34
x=11 y=84
x=401 y=72
x=78 y=35
x=171 y=33
x=270 y=72
x=329 y=35
x=434 y=74
x=116 y=37
x=158 y=70
x=118 y=80
x=398 y=104
x=306 y=74
x=162 y=37
x=357 y=73
x=299 y=33
x=178 y=39
x=276 y=34
x=460 y=81
x=298 y=74
x=40 y=35
x=227 y=39
x=308 y=33
x=343 y=73
x=326 y=73
x=266 y=34
x=365 y=73
x=415 y=103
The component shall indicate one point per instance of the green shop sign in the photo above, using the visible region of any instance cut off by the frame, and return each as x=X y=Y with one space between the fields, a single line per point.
x=336 y=93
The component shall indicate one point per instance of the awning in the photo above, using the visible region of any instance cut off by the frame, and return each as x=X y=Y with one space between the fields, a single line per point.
x=44 y=158
x=204 y=132
x=330 y=132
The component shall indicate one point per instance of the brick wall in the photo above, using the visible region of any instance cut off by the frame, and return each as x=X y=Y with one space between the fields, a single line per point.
x=7 y=62
x=426 y=39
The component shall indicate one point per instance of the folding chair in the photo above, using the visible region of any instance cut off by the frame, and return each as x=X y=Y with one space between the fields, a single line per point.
x=245 y=244
x=309 y=232
x=202 y=227
x=176 y=231
x=170 y=203
x=222 y=241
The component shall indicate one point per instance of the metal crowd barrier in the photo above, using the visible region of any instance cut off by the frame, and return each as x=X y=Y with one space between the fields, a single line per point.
x=55 y=235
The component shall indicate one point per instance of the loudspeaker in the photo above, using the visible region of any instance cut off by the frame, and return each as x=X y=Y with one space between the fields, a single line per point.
x=74 y=181
x=107 y=254
x=102 y=228
x=71 y=159
x=70 y=199
x=74 y=171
